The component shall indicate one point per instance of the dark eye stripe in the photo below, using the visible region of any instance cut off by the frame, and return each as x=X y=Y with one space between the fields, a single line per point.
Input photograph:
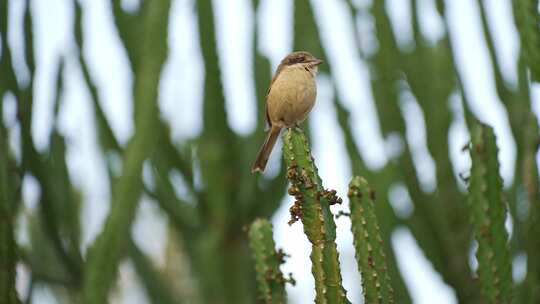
x=298 y=59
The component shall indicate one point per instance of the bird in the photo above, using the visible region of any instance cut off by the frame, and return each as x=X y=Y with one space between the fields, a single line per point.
x=290 y=97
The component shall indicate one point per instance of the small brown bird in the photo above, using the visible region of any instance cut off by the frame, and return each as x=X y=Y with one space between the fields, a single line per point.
x=290 y=97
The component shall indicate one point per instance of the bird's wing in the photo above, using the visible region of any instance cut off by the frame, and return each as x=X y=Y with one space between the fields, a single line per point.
x=268 y=123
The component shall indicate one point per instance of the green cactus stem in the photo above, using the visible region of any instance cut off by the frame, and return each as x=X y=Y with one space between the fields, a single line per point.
x=106 y=252
x=270 y=280
x=527 y=19
x=532 y=225
x=488 y=216
x=312 y=207
x=155 y=284
x=368 y=244
x=8 y=252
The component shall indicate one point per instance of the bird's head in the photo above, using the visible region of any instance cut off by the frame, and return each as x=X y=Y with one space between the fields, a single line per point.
x=303 y=60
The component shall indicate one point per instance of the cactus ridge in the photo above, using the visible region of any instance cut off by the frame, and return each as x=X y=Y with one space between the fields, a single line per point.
x=488 y=217
x=367 y=240
x=312 y=207
x=270 y=280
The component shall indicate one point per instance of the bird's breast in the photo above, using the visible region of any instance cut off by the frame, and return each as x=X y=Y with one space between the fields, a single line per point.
x=293 y=85
x=292 y=96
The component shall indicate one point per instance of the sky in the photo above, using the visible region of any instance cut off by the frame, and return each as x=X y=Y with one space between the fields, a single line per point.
x=181 y=104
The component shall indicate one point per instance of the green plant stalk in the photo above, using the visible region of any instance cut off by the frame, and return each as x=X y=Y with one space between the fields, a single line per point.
x=532 y=225
x=227 y=279
x=312 y=206
x=105 y=134
x=8 y=253
x=270 y=280
x=429 y=224
x=389 y=66
x=527 y=19
x=32 y=161
x=216 y=164
x=443 y=212
x=64 y=201
x=447 y=206
x=368 y=245
x=488 y=216
x=270 y=196
x=106 y=252
x=157 y=288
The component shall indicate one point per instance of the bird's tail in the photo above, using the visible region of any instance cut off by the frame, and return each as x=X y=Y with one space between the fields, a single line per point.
x=266 y=149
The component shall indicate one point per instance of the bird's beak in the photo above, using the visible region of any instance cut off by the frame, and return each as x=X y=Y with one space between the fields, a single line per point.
x=317 y=62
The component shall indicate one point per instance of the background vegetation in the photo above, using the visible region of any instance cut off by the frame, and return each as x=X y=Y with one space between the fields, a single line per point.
x=212 y=262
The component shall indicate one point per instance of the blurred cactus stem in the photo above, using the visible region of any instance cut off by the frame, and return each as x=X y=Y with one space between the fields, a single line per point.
x=526 y=18
x=270 y=280
x=312 y=207
x=488 y=216
x=368 y=245
x=8 y=247
x=107 y=251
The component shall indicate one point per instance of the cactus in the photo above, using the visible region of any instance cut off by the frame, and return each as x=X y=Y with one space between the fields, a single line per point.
x=527 y=19
x=532 y=226
x=107 y=250
x=271 y=283
x=157 y=289
x=368 y=244
x=8 y=256
x=488 y=216
x=312 y=206
x=223 y=197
